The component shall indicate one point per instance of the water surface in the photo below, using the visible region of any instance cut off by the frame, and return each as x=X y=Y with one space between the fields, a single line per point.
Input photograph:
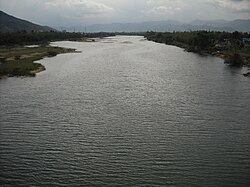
x=126 y=112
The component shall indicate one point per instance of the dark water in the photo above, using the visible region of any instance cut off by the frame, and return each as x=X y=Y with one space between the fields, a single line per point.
x=126 y=112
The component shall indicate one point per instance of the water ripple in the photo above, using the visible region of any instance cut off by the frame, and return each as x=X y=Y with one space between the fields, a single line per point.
x=142 y=114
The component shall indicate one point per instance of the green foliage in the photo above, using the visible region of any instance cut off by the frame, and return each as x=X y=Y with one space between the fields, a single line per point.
x=2 y=59
x=18 y=61
x=30 y=38
x=196 y=41
x=204 y=42
x=234 y=59
x=26 y=38
x=18 y=68
x=52 y=53
x=17 y=57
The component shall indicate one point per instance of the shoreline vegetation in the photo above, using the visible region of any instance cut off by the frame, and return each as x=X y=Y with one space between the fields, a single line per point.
x=18 y=59
x=234 y=47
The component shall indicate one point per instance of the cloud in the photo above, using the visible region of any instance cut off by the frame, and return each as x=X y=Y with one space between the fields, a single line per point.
x=77 y=12
x=85 y=6
x=234 y=5
x=85 y=12
x=163 y=10
x=164 y=7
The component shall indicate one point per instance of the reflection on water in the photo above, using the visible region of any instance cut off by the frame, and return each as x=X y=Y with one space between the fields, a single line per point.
x=119 y=114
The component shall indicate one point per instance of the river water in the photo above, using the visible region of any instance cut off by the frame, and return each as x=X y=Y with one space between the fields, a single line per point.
x=126 y=112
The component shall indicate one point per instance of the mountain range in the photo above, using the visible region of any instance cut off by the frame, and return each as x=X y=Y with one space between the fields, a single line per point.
x=170 y=26
x=10 y=23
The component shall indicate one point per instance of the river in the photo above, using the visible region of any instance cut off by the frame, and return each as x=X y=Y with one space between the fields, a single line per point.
x=126 y=112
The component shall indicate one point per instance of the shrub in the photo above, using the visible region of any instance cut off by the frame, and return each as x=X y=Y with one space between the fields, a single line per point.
x=2 y=59
x=234 y=60
x=17 y=57
x=52 y=53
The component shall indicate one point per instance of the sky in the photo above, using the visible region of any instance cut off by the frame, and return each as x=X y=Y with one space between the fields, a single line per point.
x=87 y=12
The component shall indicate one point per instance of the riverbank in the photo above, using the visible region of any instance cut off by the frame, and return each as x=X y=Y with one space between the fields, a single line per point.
x=220 y=44
x=20 y=60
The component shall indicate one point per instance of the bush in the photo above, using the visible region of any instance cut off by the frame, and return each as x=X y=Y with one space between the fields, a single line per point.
x=52 y=53
x=17 y=57
x=3 y=59
x=234 y=60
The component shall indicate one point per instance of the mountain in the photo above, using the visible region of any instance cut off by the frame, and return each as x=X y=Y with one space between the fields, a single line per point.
x=170 y=26
x=240 y=25
x=235 y=25
x=134 y=27
x=212 y=23
x=10 y=23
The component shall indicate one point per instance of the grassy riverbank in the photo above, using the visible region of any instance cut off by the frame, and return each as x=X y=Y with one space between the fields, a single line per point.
x=19 y=60
x=229 y=46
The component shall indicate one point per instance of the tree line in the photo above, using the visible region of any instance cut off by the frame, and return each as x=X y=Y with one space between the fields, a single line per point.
x=26 y=38
x=230 y=45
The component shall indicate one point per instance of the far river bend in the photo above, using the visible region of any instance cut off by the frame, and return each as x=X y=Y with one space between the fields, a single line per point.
x=126 y=112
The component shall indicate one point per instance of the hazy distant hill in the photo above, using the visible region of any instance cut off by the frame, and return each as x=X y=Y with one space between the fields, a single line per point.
x=171 y=25
x=10 y=23
x=135 y=27
x=212 y=23
x=239 y=24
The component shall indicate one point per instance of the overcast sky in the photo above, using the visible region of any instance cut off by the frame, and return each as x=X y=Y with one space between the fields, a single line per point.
x=86 y=12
